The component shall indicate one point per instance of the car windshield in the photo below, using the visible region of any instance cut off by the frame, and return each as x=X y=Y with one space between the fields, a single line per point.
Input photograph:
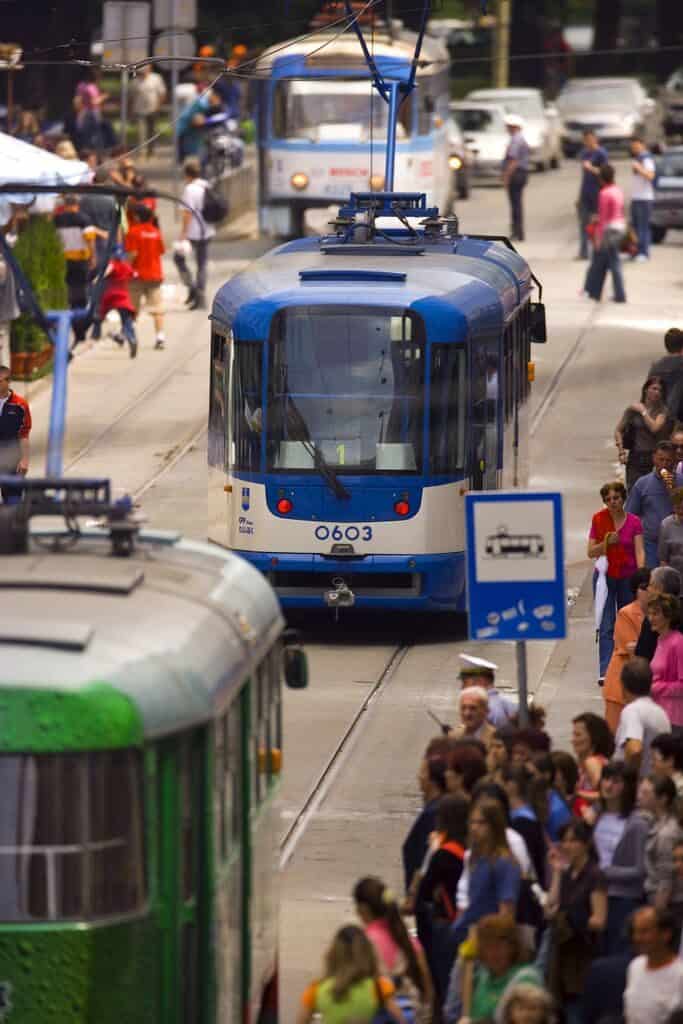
x=670 y=165
x=525 y=106
x=476 y=119
x=331 y=110
x=594 y=97
x=348 y=383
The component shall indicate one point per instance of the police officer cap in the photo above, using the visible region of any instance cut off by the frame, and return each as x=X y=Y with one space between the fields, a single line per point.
x=477 y=666
x=513 y=121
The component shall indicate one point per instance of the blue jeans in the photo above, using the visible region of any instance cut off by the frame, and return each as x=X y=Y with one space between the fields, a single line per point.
x=641 y=210
x=619 y=910
x=605 y=258
x=618 y=594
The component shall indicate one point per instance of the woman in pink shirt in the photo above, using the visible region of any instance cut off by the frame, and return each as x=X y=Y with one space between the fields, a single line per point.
x=609 y=232
x=663 y=611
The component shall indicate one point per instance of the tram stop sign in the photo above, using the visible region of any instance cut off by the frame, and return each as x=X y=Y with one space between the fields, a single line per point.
x=515 y=566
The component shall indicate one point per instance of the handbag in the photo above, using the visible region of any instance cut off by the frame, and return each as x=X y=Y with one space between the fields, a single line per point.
x=628 y=434
x=629 y=241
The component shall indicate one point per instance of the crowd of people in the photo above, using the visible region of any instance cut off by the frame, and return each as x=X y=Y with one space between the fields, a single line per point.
x=544 y=885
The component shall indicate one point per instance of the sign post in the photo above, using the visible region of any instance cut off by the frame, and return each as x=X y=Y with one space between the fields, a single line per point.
x=515 y=572
x=125 y=40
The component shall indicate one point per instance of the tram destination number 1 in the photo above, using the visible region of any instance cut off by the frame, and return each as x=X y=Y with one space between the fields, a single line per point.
x=337 y=533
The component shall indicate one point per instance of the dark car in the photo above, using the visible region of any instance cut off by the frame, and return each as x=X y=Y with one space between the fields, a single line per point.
x=667 y=210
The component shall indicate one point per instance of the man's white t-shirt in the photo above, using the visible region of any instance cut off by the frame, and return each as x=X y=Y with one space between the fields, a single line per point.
x=641 y=720
x=149 y=94
x=193 y=196
x=652 y=993
x=641 y=187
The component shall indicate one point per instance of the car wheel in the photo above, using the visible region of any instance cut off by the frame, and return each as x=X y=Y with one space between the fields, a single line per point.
x=462 y=186
x=555 y=161
x=658 y=233
x=540 y=166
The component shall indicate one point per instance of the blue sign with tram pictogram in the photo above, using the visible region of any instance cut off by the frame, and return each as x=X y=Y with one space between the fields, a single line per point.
x=515 y=566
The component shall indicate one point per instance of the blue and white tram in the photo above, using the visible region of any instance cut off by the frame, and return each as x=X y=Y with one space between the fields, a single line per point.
x=322 y=132
x=358 y=390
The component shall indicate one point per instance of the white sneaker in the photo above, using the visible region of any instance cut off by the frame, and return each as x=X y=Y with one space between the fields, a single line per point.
x=642 y=258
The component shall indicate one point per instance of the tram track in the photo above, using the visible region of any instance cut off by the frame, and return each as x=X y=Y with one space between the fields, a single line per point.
x=333 y=765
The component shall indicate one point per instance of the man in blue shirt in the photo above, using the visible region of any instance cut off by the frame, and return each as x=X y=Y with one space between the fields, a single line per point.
x=650 y=499
x=592 y=158
x=480 y=672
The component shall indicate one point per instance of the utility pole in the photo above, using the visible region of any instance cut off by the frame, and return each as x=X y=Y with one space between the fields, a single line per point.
x=502 y=43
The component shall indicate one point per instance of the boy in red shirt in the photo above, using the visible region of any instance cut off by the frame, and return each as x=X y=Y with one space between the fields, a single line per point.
x=118 y=277
x=146 y=247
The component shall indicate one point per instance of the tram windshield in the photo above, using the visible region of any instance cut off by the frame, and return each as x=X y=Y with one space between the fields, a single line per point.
x=71 y=836
x=351 y=383
x=332 y=110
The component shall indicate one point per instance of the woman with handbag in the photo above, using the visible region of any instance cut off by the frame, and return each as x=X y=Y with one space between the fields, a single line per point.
x=607 y=239
x=642 y=426
x=616 y=535
x=351 y=990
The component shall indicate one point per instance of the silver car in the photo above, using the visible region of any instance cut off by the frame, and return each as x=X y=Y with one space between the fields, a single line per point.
x=542 y=125
x=486 y=138
x=614 y=108
x=667 y=209
x=672 y=98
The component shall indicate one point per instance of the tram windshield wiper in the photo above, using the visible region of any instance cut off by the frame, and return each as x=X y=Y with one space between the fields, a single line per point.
x=299 y=431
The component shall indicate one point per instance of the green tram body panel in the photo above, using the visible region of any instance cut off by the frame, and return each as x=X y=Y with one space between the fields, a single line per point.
x=139 y=702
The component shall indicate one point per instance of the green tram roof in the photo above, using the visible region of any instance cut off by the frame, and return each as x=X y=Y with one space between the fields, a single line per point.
x=101 y=652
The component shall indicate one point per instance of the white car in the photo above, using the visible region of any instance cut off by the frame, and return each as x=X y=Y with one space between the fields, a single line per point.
x=614 y=108
x=486 y=138
x=542 y=125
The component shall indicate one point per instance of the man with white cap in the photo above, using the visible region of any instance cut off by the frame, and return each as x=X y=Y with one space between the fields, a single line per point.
x=480 y=672
x=516 y=172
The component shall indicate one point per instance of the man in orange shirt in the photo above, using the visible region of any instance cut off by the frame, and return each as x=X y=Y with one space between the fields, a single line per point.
x=146 y=246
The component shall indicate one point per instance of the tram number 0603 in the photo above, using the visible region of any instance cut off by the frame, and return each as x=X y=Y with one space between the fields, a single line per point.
x=349 y=533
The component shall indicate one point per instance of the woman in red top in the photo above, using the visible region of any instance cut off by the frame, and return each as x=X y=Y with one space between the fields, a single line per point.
x=618 y=535
x=609 y=233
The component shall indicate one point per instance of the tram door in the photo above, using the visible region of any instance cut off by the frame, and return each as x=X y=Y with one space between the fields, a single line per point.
x=485 y=419
x=183 y=878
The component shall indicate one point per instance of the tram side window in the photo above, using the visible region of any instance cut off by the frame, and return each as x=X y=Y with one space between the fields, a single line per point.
x=217 y=410
x=247 y=405
x=448 y=409
x=509 y=342
x=71 y=836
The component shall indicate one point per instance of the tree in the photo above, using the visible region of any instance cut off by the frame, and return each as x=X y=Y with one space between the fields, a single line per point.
x=606 y=18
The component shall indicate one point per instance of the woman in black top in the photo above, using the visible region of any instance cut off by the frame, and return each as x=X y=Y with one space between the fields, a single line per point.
x=641 y=426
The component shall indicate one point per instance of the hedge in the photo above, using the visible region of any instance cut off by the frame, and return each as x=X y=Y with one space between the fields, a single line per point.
x=40 y=255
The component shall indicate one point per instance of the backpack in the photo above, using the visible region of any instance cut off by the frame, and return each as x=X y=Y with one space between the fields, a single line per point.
x=214 y=207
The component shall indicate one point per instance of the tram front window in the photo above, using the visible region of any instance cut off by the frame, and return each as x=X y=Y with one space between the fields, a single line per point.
x=332 y=109
x=350 y=383
x=71 y=836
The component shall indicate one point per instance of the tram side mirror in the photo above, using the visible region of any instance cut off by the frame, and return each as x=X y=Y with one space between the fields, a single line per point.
x=294 y=661
x=537 y=328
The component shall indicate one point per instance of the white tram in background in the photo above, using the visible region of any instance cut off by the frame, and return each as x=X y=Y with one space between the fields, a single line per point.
x=322 y=128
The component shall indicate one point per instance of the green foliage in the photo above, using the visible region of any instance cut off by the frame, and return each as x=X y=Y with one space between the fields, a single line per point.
x=40 y=255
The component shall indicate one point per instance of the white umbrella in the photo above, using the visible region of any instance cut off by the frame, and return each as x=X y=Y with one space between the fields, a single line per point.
x=600 y=598
x=19 y=161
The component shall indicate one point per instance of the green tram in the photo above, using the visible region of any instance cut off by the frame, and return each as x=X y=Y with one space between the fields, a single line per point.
x=140 y=739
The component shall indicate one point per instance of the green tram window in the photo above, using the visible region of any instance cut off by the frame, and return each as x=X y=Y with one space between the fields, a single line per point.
x=71 y=836
x=228 y=782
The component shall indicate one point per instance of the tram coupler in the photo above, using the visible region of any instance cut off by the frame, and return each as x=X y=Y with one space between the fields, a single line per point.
x=340 y=597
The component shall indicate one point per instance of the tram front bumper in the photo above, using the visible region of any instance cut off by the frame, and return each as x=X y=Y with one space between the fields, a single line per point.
x=412 y=582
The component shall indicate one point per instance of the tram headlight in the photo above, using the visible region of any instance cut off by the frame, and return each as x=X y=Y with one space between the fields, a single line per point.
x=377 y=183
x=402 y=507
x=299 y=181
x=454 y=162
x=284 y=506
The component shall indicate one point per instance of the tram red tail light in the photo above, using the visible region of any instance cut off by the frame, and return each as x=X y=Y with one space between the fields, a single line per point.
x=401 y=508
x=284 y=506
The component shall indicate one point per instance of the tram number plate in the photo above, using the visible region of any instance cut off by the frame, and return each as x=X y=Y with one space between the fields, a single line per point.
x=337 y=533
